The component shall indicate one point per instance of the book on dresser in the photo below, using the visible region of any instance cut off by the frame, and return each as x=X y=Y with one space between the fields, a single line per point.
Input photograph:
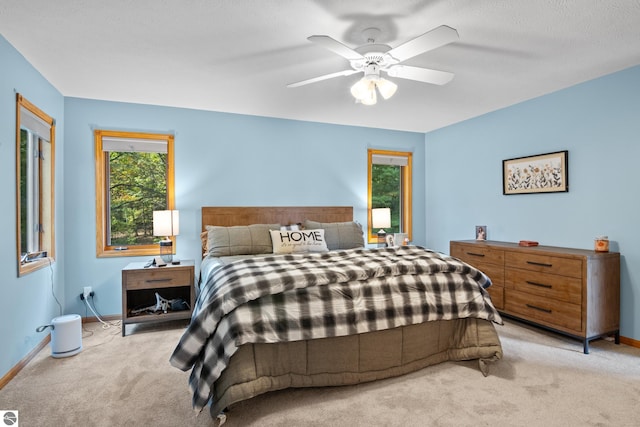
x=572 y=291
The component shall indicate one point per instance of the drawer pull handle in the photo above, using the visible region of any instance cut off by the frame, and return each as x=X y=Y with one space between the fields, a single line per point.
x=474 y=254
x=541 y=264
x=158 y=280
x=542 y=285
x=546 y=310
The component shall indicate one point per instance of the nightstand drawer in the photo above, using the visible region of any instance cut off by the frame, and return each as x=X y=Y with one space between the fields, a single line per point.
x=545 y=263
x=562 y=288
x=474 y=254
x=549 y=311
x=158 y=278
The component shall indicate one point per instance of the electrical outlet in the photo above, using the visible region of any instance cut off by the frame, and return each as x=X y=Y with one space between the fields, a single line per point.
x=87 y=291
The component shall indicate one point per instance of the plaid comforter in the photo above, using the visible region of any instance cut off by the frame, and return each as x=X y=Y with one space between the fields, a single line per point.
x=305 y=296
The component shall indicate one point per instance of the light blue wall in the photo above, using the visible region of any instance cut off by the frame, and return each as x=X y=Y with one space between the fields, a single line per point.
x=221 y=160
x=27 y=302
x=599 y=123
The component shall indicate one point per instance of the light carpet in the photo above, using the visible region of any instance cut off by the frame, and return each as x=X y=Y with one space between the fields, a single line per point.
x=544 y=379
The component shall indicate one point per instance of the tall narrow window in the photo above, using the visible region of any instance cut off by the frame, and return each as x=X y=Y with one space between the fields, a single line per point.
x=134 y=177
x=390 y=187
x=35 y=158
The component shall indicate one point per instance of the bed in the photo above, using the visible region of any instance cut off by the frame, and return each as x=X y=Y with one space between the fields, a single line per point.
x=352 y=314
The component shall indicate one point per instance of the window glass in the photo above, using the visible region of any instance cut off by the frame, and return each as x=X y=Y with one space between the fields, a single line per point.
x=134 y=174
x=390 y=187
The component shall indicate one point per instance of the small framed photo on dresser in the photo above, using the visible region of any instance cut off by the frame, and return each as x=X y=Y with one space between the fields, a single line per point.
x=481 y=232
x=390 y=240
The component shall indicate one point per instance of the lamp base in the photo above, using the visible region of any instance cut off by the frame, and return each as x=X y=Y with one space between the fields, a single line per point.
x=382 y=239
x=166 y=251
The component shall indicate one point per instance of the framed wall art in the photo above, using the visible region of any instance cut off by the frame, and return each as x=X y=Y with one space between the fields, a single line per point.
x=542 y=173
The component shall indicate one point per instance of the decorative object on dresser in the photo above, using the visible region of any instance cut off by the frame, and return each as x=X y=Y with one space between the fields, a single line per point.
x=144 y=287
x=544 y=173
x=572 y=291
x=481 y=232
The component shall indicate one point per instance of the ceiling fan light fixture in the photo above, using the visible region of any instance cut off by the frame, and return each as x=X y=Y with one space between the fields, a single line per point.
x=364 y=90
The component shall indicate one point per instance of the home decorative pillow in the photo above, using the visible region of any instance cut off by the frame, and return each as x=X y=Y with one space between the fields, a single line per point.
x=240 y=239
x=296 y=241
x=339 y=235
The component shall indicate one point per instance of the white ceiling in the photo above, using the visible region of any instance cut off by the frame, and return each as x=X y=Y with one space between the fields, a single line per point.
x=238 y=55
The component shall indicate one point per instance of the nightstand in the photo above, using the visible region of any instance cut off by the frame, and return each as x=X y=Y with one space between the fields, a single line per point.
x=139 y=287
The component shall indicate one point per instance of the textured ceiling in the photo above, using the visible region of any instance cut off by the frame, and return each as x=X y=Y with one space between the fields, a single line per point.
x=238 y=55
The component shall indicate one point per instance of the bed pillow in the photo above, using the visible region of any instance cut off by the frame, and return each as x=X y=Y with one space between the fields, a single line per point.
x=296 y=241
x=339 y=235
x=240 y=239
x=295 y=227
x=204 y=238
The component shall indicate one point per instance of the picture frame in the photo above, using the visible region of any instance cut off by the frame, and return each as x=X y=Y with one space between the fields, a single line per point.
x=542 y=173
x=391 y=240
x=481 y=232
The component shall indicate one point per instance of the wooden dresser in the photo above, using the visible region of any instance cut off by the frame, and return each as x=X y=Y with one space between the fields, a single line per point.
x=571 y=291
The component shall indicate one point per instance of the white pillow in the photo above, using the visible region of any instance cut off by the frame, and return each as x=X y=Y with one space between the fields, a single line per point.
x=297 y=241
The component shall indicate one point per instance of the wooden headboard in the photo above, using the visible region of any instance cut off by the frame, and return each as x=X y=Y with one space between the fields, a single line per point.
x=285 y=215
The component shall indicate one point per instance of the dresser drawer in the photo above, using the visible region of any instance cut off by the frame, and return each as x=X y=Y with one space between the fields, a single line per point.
x=158 y=278
x=552 y=286
x=544 y=310
x=545 y=263
x=474 y=254
x=494 y=272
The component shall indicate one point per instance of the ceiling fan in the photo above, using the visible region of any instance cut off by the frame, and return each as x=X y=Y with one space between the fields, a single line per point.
x=372 y=59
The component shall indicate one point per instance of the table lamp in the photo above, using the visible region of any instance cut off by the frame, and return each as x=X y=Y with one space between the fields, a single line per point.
x=167 y=225
x=381 y=219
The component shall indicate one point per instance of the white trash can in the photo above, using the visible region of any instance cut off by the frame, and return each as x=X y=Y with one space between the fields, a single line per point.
x=66 y=335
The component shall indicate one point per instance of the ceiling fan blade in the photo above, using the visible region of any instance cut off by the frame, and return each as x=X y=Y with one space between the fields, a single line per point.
x=324 y=77
x=424 y=75
x=336 y=47
x=430 y=40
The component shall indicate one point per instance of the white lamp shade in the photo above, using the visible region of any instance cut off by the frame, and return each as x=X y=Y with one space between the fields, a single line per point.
x=364 y=91
x=381 y=218
x=166 y=223
x=387 y=88
x=371 y=97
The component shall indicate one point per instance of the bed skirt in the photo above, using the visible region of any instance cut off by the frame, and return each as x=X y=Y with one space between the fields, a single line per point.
x=259 y=368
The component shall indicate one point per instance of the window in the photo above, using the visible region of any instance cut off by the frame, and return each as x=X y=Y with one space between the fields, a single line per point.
x=134 y=177
x=35 y=132
x=390 y=187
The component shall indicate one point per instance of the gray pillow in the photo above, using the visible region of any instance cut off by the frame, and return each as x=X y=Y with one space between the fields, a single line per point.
x=240 y=239
x=339 y=235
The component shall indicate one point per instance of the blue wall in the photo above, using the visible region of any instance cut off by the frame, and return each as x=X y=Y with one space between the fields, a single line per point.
x=599 y=123
x=220 y=160
x=27 y=302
